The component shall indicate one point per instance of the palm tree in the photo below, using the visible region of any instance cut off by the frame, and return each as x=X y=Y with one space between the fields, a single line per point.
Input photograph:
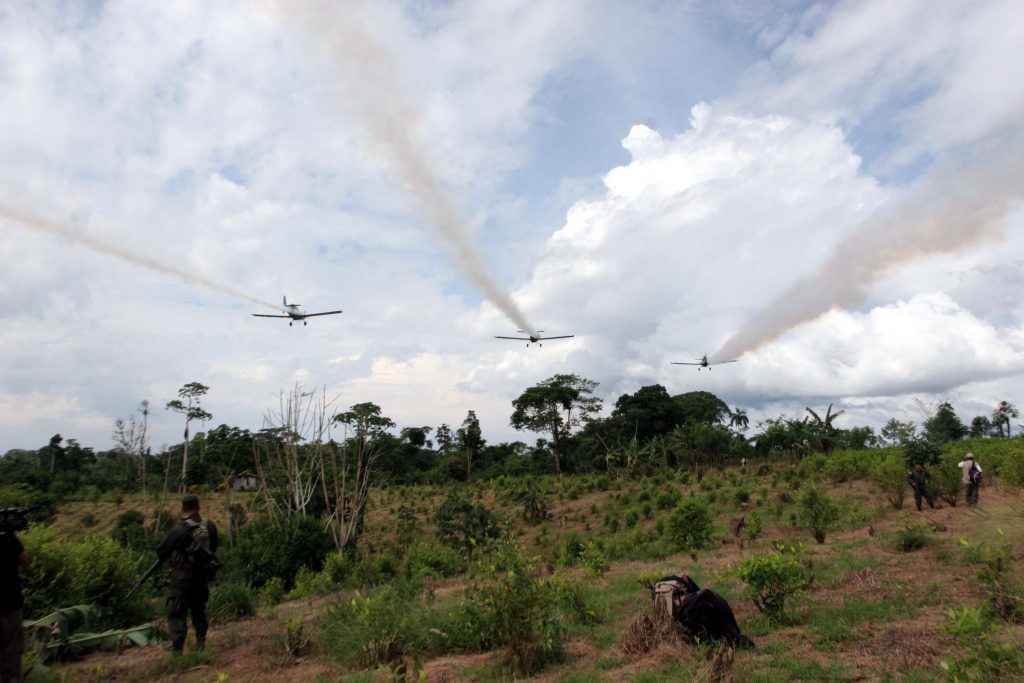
x=822 y=430
x=738 y=419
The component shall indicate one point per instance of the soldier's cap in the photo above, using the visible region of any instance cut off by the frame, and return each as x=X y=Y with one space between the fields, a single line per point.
x=190 y=502
x=969 y=456
x=918 y=462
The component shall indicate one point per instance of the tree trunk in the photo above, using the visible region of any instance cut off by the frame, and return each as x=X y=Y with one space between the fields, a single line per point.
x=184 y=458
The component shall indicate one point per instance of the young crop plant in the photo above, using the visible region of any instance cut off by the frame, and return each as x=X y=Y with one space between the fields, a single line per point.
x=691 y=527
x=817 y=512
x=984 y=657
x=1004 y=589
x=773 y=578
x=889 y=475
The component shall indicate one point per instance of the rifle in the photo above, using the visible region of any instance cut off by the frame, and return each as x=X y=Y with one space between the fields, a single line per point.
x=149 y=572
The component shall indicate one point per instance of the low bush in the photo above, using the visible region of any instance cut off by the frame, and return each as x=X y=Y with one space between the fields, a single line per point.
x=1003 y=588
x=774 y=578
x=691 y=527
x=889 y=475
x=269 y=547
x=423 y=560
x=93 y=571
x=947 y=481
x=666 y=499
x=983 y=657
x=460 y=524
x=130 y=530
x=230 y=601
x=913 y=536
x=817 y=512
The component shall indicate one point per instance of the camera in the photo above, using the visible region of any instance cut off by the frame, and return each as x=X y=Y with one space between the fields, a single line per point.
x=15 y=518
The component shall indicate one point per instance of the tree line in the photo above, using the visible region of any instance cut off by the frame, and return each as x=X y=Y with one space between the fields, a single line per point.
x=307 y=440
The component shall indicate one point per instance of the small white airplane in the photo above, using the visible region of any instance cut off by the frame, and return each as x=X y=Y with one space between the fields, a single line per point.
x=703 y=362
x=293 y=312
x=535 y=338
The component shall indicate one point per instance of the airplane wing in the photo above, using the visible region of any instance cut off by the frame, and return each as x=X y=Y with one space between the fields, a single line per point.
x=723 y=362
x=312 y=315
x=675 y=363
x=564 y=336
x=267 y=315
x=516 y=338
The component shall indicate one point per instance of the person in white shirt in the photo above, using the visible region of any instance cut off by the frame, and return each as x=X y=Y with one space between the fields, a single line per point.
x=972 y=481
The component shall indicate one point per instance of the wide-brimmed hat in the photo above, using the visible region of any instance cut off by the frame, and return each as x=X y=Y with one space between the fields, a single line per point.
x=969 y=456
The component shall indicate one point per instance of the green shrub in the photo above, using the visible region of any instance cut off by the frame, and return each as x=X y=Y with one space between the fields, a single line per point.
x=374 y=570
x=95 y=571
x=983 y=657
x=889 y=475
x=817 y=512
x=691 y=527
x=230 y=601
x=272 y=592
x=754 y=526
x=270 y=547
x=772 y=579
x=632 y=517
x=741 y=496
x=430 y=559
x=463 y=525
x=666 y=499
x=519 y=611
x=947 y=482
x=130 y=530
x=375 y=628
x=913 y=536
x=1003 y=588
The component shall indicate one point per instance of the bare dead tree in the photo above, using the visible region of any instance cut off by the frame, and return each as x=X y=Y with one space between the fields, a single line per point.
x=347 y=470
x=289 y=453
x=130 y=438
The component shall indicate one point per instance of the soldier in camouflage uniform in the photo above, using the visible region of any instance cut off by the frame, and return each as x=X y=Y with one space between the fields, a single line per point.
x=187 y=548
x=918 y=479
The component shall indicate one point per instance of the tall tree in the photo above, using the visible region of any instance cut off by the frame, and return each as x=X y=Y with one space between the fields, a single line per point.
x=1001 y=417
x=556 y=405
x=648 y=413
x=188 y=404
x=944 y=425
x=702 y=406
x=981 y=427
x=738 y=420
x=895 y=432
x=470 y=439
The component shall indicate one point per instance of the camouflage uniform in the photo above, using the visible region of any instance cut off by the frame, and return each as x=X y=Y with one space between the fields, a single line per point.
x=918 y=480
x=189 y=588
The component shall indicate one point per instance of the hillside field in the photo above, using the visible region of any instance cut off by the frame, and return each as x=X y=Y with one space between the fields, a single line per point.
x=873 y=611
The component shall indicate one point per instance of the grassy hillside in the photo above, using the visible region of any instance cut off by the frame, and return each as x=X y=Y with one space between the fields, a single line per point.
x=873 y=611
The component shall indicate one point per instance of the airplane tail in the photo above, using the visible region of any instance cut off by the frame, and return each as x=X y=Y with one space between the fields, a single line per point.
x=284 y=301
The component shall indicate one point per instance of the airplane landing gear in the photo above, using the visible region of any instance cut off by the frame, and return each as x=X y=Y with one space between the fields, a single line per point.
x=303 y=323
x=289 y=324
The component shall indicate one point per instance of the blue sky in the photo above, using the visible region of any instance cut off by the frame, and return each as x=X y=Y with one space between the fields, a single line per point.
x=664 y=180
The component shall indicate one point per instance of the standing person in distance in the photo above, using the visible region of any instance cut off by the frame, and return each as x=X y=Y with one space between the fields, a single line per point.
x=12 y=559
x=189 y=549
x=918 y=480
x=971 y=478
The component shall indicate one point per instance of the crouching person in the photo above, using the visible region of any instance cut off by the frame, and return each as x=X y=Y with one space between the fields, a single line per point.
x=702 y=612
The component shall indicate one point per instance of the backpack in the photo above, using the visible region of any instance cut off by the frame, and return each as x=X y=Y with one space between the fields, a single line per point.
x=197 y=554
x=975 y=475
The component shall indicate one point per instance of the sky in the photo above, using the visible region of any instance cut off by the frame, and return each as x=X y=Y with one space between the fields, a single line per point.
x=830 y=192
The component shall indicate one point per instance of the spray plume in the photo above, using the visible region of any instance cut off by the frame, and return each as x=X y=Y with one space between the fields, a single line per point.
x=376 y=95
x=37 y=224
x=949 y=210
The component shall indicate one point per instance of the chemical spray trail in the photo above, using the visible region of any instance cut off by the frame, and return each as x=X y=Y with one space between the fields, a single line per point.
x=948 y=210
x=371 y=87
x=41 y=225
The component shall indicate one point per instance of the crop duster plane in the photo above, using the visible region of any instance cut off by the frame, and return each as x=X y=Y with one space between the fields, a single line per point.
x=703 y=362
x=294 y=312
x=535 y=337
